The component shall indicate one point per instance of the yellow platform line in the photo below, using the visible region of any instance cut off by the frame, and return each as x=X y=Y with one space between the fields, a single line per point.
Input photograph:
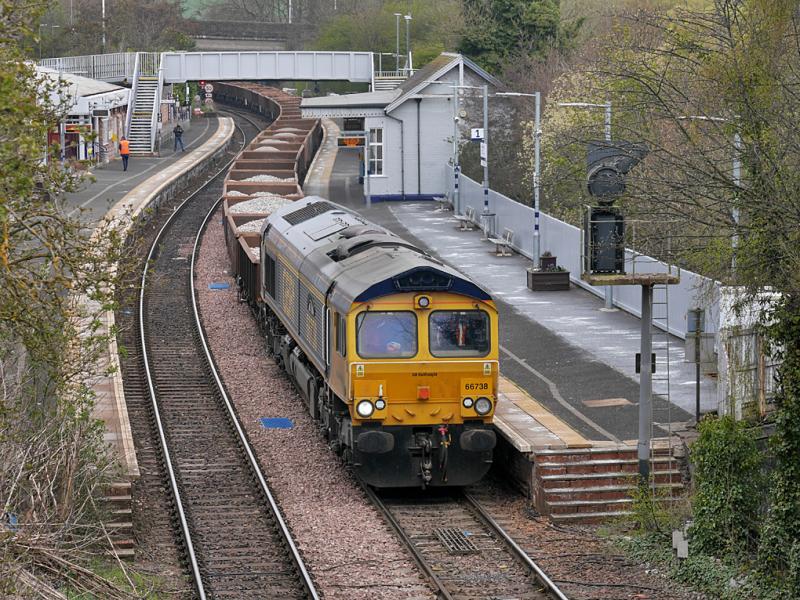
x=525 y=402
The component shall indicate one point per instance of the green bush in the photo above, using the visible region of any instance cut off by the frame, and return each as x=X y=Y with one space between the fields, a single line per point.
x=728 y=488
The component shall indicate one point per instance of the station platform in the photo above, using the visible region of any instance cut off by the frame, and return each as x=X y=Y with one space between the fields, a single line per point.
x=119 y=197
x=94 y=198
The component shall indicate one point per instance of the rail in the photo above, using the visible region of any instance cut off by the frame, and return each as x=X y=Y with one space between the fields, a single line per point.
x=444 y=581
x=521 y=555
x=298 y=560
x=420 y=561
x=242 y=439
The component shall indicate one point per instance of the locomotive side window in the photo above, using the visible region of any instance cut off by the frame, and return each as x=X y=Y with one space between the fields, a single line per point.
x=269 y=274
x=459 y=333
x=385 y=334
x=341 y=335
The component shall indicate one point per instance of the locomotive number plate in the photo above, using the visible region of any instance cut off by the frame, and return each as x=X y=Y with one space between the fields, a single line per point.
x=474 y=386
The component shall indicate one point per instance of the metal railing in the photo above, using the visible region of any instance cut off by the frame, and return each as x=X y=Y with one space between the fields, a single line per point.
x=156 y=100
x=132 y=97
x=149 y=64
x=565 y=242
x=114 y=67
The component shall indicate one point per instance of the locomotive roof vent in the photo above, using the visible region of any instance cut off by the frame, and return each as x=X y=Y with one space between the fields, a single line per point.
x=355 y=245
x=309 y=211
x=356 y=230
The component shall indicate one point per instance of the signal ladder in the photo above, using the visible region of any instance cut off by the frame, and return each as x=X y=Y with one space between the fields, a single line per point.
x=659 y=329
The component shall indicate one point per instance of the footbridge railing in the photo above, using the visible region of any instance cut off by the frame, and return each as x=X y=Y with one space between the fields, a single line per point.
x=220 y=66
x=114 y=68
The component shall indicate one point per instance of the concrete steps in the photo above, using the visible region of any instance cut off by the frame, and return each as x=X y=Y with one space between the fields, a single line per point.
x=388 y=83
x=595 y=484
x=119 y=504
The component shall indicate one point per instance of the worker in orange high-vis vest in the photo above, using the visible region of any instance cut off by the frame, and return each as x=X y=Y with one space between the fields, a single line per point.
x=124 y=152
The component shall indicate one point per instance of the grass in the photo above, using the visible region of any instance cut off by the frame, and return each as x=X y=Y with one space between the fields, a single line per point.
x=147 y=586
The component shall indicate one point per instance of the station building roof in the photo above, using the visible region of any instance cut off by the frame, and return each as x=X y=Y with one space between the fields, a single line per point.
x=81 y=94
x=385 y=101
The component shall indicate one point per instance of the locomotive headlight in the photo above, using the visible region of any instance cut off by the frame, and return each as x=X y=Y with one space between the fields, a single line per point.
x=380 y=404
x=468 y=402
x=483 y=405
x=365 y=409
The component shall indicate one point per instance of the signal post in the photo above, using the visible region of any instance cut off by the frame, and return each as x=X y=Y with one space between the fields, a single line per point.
x=604 y=262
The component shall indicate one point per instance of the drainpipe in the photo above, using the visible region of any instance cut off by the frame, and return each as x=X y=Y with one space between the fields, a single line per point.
x=402 y=156
x=419 y=153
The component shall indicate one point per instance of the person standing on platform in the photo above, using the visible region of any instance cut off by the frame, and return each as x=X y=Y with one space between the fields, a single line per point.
x=124 y=152
x=178 y=132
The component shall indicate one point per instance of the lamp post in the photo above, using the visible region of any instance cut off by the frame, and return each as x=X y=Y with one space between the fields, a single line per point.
x=408 y=44
x=608 y=290
x=537 y=136
x=104 y=26
x=397 y=41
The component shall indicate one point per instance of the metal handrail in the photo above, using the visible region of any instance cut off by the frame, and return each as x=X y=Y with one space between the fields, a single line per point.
x=156 y=104
x=106 y=67
x=132 y=97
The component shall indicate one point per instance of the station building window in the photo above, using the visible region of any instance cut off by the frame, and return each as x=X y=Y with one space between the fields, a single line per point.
x=376 y=151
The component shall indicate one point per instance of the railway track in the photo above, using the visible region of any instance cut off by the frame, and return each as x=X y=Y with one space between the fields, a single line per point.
x=461 y=549
x=233 y=537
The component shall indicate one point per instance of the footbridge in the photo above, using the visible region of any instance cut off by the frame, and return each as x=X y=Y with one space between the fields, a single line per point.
x=147 y=72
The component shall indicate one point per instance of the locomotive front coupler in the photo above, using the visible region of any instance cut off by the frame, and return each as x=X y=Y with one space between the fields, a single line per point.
x=426 y=464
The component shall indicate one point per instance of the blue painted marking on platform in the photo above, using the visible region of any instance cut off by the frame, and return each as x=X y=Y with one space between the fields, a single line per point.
x=219 y=286
x=276 y=423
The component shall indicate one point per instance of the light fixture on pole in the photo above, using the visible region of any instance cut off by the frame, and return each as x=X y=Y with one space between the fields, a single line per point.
x=397 y=41
x=409 y=64
x=608 y=290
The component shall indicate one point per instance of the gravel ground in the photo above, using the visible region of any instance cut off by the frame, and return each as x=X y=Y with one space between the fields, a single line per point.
x=253 y=226
x=348 y=548
x=584 y=565
x=260 y=204
x=268 y=178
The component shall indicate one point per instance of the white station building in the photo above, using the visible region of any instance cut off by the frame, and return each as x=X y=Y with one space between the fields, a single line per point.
x=411 y=127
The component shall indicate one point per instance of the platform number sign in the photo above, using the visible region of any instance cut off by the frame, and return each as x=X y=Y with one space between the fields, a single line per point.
x=476 y=134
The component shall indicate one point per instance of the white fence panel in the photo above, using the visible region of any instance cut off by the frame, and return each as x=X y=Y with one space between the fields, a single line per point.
x=564 y=241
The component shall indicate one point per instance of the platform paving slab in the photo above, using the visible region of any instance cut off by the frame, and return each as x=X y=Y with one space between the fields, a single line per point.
x=109 y=183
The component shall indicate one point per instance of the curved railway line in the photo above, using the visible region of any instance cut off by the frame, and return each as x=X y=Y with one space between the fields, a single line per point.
x=463 y=551
x=234 y=539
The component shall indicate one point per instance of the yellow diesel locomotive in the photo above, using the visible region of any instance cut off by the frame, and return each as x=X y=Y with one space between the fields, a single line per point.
x=395 y=353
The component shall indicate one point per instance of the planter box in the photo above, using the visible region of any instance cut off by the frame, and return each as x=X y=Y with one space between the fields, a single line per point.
x=547 y=281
